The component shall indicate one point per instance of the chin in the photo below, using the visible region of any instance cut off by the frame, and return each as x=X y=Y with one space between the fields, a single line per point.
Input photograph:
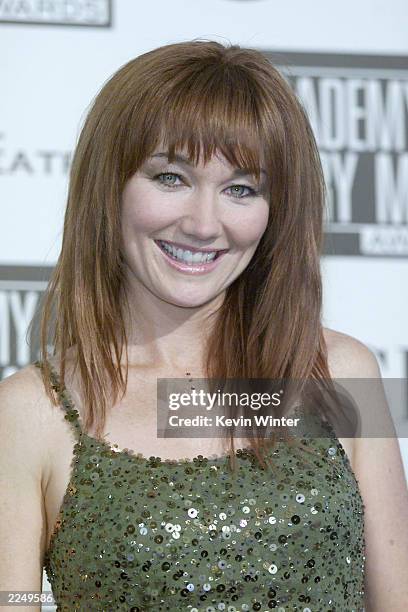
x=189 y=301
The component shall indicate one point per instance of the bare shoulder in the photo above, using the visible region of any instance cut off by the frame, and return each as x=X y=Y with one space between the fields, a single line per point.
x=26 y=415
x=22 y=395
x=348 y=357
x=25 y=390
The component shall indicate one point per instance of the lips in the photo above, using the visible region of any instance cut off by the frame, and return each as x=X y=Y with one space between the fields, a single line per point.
x=191 y=268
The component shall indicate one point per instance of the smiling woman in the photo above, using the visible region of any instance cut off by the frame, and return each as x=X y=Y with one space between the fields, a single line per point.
x=202 y=225
x=191 y=247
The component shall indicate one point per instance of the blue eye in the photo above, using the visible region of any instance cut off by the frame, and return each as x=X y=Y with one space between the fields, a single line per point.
x=252 y=192
x=166 y=174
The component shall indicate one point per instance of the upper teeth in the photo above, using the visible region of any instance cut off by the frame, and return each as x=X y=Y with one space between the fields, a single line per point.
x=188 y=256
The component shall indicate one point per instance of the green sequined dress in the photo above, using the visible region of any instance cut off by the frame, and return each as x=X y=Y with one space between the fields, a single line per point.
x=148 y=534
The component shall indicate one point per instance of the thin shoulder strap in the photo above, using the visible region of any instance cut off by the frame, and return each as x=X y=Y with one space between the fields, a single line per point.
x=72 y=414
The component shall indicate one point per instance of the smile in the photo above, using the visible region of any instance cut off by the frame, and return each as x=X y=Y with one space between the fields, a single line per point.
x=187 y=261
x=186 y=255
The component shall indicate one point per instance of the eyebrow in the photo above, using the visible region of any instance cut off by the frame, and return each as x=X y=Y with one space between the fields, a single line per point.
x=184 y=160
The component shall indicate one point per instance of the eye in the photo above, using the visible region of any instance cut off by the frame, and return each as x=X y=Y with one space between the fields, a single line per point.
x=167 y=175
x=252 y=192
x=169 y=179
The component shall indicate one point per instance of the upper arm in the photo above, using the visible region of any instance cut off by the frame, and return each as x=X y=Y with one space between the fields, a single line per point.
x=380 y=474
x=22 y=469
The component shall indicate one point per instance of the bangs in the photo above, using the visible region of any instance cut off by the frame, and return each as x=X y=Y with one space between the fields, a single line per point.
x=216 y=109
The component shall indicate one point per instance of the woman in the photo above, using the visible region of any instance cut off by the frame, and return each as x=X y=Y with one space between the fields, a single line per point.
x=192 y=147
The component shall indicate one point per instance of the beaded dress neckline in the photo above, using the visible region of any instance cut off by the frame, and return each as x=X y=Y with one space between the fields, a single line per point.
x=72 y=415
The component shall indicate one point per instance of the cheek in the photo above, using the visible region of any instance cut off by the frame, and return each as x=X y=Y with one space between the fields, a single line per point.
x=142 y=212
x=248 y=230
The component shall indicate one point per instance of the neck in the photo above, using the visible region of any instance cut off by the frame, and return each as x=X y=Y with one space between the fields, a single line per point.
x=167 y=336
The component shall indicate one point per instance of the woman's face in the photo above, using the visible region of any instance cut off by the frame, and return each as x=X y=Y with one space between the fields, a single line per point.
x=208 y=207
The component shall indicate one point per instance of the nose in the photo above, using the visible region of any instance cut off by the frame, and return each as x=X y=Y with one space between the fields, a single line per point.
x=202 y=217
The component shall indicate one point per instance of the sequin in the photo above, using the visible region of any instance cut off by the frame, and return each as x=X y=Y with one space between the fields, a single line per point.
x=154 y=535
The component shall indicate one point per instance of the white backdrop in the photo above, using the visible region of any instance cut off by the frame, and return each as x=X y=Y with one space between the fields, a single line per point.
x=50 y=73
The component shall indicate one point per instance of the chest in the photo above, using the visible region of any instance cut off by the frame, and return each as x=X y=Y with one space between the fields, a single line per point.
x=64 y=462
x=155 y=530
